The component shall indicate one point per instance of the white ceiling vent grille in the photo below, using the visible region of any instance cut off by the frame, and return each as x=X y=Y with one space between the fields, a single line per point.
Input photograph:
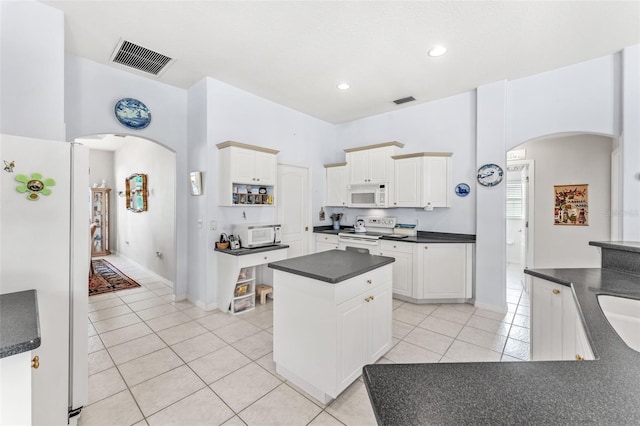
x=140 y=58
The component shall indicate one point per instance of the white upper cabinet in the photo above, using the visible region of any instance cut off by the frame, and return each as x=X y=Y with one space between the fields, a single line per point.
x=243 y=170
x=336 y=184
x=423 y=179
x=371 y=164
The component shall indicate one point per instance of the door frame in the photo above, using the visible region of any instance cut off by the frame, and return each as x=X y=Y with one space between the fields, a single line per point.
x=530 y=216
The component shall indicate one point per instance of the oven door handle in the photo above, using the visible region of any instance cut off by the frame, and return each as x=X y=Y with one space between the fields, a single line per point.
x=358 y=241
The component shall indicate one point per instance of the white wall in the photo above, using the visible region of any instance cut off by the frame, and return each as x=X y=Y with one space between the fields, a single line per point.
x=141 y=235
x=583 y=97
x=91 y=91
x=233 y=114
x=631 y=143
x=581 y=159
x=32 y=70
x=445 y=125
x=101 y=167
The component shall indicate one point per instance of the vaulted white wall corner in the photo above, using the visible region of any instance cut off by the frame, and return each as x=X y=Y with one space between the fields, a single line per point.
x=490 y=262
x=197 y=153
x=631 y=143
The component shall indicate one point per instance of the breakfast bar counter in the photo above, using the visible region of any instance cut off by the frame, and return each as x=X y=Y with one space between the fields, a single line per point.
x=603 y=391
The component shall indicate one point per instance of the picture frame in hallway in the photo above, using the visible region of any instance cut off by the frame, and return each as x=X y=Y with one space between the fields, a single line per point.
x=571 y=205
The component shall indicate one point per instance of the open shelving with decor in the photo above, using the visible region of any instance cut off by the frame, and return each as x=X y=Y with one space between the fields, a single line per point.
x=252 y=195
x=244 y=291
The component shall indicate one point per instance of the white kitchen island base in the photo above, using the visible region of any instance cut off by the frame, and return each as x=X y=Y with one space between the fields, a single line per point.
x=325 y=332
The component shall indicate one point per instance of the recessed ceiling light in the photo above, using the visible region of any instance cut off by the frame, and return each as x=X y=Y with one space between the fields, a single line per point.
x=343 y=86
x=438 y=51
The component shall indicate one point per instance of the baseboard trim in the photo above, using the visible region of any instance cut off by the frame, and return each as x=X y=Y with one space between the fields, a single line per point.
x=153 y=274
x=492 y=308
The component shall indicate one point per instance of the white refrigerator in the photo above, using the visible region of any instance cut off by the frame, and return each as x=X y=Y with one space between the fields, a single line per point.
x=44 y=245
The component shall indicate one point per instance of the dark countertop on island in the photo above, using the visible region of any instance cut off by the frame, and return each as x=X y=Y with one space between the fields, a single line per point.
x=603 y=391
x=332 y=266
x=245 y=251
x=19 y=323
x=423 y=237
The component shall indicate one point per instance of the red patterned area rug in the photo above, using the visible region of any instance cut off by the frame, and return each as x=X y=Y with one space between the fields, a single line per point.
x=108 y=278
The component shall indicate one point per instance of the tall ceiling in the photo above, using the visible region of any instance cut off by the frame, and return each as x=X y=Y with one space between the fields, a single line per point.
x=296 y=52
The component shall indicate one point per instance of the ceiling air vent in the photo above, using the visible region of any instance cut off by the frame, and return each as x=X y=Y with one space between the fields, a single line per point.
x=140 y=58
x=404 y=100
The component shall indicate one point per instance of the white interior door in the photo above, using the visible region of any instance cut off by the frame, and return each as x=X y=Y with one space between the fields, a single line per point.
x=35 y=253
x=293 y=208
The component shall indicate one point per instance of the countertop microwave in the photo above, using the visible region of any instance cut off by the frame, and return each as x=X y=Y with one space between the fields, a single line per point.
x=254 y=235
x=368 y=195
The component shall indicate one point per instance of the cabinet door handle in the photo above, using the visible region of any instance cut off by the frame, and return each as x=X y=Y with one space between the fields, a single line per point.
x=35 y=362
x=556 y=291
x=369 y=299
x=265 y=258
x=369 y=282
x=579 y=357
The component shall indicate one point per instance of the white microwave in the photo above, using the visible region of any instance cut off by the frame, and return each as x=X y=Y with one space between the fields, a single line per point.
x=254 y=235
x=369 y=196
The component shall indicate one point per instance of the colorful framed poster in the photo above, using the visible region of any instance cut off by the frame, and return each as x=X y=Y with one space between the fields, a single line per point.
x=571 y=206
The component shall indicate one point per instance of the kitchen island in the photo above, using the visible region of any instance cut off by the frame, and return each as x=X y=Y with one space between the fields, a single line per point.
x=603 y=391
x=331 y=317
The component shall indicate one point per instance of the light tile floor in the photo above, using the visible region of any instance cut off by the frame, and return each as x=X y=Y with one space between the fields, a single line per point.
x=158 y=362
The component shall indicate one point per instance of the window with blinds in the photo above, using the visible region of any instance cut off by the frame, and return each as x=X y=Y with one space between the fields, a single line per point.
x=514 y=200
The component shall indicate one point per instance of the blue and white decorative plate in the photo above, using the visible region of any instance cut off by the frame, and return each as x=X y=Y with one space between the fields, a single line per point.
x=132 y=113
x=462 y=190
x=490 y=175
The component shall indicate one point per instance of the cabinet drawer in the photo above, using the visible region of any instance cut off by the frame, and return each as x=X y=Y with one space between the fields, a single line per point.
x=262 y=258
x=362 y=283
x=327 y=238
x=386 y=245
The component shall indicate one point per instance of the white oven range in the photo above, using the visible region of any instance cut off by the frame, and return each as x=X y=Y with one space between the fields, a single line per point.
x=368 y=242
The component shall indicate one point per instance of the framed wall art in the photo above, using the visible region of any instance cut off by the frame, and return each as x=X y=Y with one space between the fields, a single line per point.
x=571 y=206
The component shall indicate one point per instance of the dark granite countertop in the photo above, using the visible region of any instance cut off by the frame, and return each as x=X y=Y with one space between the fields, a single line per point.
x=332 y=266
x=19 y=323
x=245 y=251
x=631 y=246
x=423 y=237
x=603 y=391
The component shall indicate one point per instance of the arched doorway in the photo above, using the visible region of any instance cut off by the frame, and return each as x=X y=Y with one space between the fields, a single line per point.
x=148 y=238
x=534 y=240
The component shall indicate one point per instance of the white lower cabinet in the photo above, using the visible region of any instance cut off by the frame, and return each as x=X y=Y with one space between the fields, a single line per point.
x=325 y=333
x=423 y=272
x=403 y=267
x=15 y=394
x=326 y=242
x=557 y=332
x=445 y=271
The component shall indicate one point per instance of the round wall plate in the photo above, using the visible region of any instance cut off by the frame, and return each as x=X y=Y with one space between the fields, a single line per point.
x=132 y=113
x=490 y=175
x=462 y=190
